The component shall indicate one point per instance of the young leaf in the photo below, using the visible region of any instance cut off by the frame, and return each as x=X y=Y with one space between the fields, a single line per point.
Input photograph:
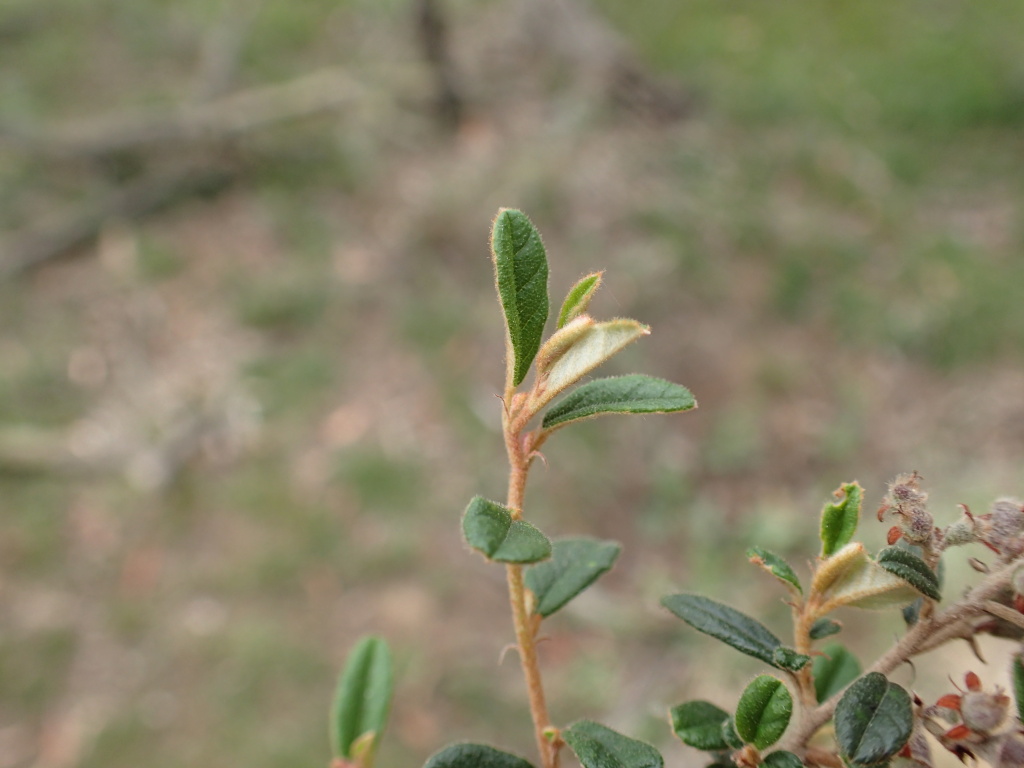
x=763 y=712
x=599 y=343
x=361 y=701
x=912 y=569
x=873 y=720
x=839 y=519
x=490 y=529
x=726 y=624
x=561 y=341
x=729 y=735
x=578 y=299
x=788 y=658
x=824 y=627
x=699 y=724
x=598 y=746
x=775 y=565
x=635 y=393
x=865 y=584
x=782 y=759
x=575 y=564
x=1018 y=684
x=912 y=612
x=474 y=756
x=832 y=568
x=521 y=274
x=834 y=671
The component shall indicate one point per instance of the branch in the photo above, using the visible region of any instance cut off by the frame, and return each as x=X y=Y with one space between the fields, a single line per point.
x=24 y=251
x=921 y=637
x=241 y=112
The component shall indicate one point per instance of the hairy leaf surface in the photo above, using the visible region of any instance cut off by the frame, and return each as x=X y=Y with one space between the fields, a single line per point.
x=521 y=274
x=839 y=519
x=578 y=298
x=834 y=671
x=598 y=746
x=490 y=529
x=474 y=756
x=699 y=724
x=825 y=627
x=635 y=393
x=599 y=343
x=873 y=720
x=775 y=565
x=575 y=564
x=727 y=624
x=782 y=759
x=912 y=569
x=763 y=712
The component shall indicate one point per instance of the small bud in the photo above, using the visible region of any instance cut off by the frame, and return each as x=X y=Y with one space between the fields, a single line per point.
x=748 y=757
x=959 y=533
x=907 y=501
x=984 y=712
x=1007 y=517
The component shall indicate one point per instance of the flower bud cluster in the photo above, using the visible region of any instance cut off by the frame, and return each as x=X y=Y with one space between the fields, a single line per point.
x=907 y=504
x=980 y=726
x=1001 y=529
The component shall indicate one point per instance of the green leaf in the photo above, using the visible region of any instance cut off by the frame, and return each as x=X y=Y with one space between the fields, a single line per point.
x=575 y=564
x=635 y=393
x=598 y=343
x=839 y=519
x=598 y=746
x=490 y=529
x=834 y=671
x=912 y=612
x=729 y=735
x=873 y=720
x=521 y=274
x=474 y=756
x=788 y=658
x=1018 y=684
x=361 y=700
x=699 y=724
x=782 y=759
x=562 y=341
x=775 y=565
x=763 y=712
x=578 y=299
x=726 y=624
x=825 y=627
x=912 y=569
x=851 y=578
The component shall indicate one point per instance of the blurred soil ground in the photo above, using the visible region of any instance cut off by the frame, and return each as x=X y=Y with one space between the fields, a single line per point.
x=239 y=433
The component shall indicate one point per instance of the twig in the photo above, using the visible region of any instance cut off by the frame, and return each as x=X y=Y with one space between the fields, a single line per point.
x=78 y=228
x=1004 y=612
x=312 y=94
x=432 y=32
x=944 y=624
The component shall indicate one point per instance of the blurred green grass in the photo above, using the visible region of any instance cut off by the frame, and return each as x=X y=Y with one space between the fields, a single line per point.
x=850 y=182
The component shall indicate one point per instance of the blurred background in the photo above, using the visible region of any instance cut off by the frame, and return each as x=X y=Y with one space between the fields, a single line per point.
x=250 y=347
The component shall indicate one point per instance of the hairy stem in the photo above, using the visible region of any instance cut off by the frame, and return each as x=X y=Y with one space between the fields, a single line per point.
x=804 y=616
x=519 y=459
